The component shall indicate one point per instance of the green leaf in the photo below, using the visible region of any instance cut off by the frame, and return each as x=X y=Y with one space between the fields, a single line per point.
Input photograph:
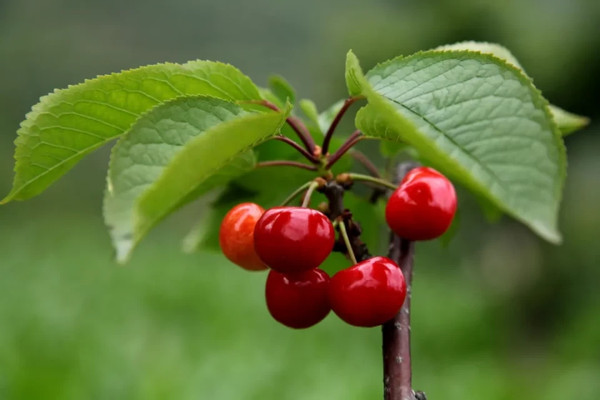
x=173 y=154
x=70 y=123
x=566 y=121
x=282 y=89
x=327 y=116
x=353 y=74
x=309 y=109
x=479 y=120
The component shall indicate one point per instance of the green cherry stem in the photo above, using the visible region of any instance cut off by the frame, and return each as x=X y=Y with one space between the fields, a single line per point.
x=372 y=179
x=311 y=188
x=296 y=192
x=344 y=233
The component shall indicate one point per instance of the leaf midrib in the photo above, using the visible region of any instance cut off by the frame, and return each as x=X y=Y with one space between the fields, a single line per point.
x=500 y=182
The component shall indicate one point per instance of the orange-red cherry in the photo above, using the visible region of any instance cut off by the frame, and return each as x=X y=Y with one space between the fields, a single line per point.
x=423 y=206
x=368 y=294
x=293 y=239
x=236 y=236
x=298 y=300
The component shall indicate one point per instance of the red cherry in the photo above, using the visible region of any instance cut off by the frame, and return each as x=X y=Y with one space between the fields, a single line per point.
x=293 y=239
x=423 y=206
x=236 y=236
x=298 y=300
x=369 y=293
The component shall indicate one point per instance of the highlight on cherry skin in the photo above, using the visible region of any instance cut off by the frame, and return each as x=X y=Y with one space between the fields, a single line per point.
x=298 y=300
x=369 y=293
x=236 y=236
x=423 y=205
x=293 y=239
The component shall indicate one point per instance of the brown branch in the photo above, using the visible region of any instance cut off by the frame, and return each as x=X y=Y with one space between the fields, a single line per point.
x=397 y=371
x=397 y=366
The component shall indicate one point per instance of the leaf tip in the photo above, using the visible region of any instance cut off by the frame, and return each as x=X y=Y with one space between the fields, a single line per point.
x=353 y=74
x=123 y=251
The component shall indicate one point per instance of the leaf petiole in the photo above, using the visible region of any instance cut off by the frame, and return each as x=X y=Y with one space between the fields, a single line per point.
x=295 y=123
x=354 y=138
x=287 y=163
x=349 y=101
x=298 y=148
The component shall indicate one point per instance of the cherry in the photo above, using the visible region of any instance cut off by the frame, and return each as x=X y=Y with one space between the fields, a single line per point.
x=293 y=239
x=423 y=206
x=236 y=236
x=298 y=300
x=369 y=293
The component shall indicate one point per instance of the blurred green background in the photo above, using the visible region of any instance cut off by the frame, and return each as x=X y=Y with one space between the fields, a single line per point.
x=498 y=314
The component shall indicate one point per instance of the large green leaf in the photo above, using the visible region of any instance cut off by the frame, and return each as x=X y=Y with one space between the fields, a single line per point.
x=174 y=153
x=70 y=123
x=567 y=122
x=476 y=118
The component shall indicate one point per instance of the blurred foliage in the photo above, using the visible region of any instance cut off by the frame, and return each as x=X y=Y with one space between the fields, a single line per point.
x=498 y=314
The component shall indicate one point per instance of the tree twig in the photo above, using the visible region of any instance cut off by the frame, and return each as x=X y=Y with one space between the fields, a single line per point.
x=397 y=366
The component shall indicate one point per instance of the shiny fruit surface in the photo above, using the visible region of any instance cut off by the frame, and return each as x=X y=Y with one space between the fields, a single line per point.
x=236 y=236
x=423 y=206
x=368 y=294
x=298 y=300
x=293 y=239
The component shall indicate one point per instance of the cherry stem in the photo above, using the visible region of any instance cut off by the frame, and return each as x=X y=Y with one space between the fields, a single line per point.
x=299 y=148
x=311 y=188
x=296 y=192
x=364 y=160
x=344 y=233
x=349 y=101
x=286 y=163
x=354 y=138
x=372 y=179
x=295 y=123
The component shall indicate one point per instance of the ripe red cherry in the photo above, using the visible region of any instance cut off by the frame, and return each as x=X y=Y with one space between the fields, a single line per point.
x=423 y=206
x=236 y=236
x=298 y=300
x=369 y=293
x=293 y=239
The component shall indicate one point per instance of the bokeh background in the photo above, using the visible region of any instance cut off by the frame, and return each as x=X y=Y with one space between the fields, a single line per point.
x=498 y=314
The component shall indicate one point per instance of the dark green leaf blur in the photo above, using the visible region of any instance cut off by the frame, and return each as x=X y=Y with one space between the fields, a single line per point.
x=498 y=313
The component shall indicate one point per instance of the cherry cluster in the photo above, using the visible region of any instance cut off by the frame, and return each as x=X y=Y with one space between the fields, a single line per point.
x=294 y=241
